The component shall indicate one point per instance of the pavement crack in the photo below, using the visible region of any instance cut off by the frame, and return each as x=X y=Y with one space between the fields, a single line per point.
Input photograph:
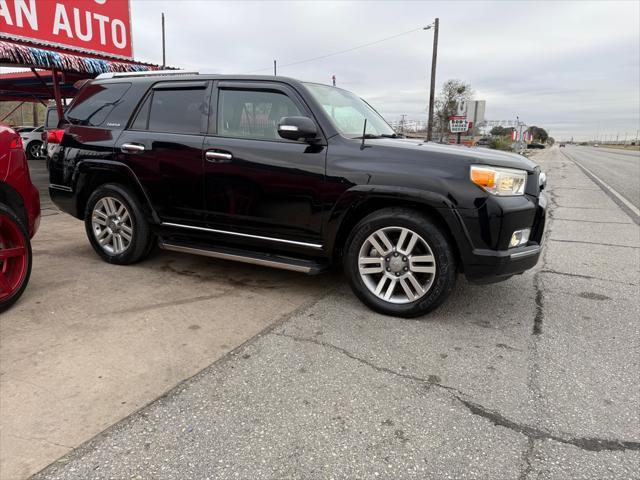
x=591 y=444
x=39 y=439
x=538 y=319
x=594 y=243
x=172 y=303
x=528 y=454
x=586 y=277
x=347 y=353
x=590 y=221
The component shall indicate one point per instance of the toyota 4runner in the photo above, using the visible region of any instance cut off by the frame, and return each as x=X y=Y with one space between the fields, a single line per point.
x=277 y=172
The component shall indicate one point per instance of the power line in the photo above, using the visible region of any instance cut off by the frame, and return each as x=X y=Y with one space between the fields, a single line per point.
x=340 y=52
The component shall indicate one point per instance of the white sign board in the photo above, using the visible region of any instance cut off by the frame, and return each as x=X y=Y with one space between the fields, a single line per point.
x=458 y=125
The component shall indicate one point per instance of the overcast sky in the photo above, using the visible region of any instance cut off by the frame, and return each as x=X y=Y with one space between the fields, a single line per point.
x=571 y=67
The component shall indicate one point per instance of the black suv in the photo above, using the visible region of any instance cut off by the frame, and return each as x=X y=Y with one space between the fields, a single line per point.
x=274 y=171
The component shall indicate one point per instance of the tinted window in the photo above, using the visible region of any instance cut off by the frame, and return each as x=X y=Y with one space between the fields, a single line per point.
x=93 y=103
x=140 y=123
x=253 y=114
x=177 y=111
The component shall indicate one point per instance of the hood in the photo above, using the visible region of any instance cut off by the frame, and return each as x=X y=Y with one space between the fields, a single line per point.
x=471 y=155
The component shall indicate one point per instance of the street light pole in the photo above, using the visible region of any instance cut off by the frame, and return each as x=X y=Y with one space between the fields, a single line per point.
x=432 y=89
x=164 y=57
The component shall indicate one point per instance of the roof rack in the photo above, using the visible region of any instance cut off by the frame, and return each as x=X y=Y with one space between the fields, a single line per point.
x=147 y=73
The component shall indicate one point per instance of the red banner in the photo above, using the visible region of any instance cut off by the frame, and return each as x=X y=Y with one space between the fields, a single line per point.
x=95 y=26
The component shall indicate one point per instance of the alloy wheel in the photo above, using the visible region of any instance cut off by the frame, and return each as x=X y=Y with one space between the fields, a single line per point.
x=13 y=257
x=35 y=150
x=112 y=226
x=397 y=265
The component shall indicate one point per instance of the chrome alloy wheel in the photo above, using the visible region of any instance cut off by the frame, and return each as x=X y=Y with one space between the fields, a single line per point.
x=112 y=226
x=397 y=265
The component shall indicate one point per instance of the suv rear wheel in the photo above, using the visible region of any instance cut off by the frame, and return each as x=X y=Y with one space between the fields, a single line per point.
x=116 y=226
x=399 y=262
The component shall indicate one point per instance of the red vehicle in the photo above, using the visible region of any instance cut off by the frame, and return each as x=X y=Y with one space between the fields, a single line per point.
x=19 y=217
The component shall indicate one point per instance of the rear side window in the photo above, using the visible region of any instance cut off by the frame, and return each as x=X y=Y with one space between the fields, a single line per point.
x=175 y=111
x=94 y=103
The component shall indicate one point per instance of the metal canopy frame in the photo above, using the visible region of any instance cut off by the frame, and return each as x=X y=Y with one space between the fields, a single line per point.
x=41 y=59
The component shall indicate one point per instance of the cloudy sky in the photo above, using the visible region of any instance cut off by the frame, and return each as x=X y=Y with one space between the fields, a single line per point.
x=571 y=67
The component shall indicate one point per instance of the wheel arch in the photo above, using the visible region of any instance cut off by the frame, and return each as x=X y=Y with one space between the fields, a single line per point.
x=93 y=174
x=358 y=204
x=12 y=199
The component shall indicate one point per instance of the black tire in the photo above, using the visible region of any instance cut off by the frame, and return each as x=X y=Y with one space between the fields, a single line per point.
x=7 y=302
x=34 y=149
x=142 y=240
x=439 y=243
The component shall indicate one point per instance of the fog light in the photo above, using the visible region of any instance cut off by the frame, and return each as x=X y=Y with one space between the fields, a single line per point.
x=519 y=238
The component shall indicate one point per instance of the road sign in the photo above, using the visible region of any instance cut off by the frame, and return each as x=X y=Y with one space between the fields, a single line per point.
x=98 y=26
x=458 y=124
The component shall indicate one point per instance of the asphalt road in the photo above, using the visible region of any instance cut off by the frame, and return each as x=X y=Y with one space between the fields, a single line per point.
x=620 y=169
x=532 y=378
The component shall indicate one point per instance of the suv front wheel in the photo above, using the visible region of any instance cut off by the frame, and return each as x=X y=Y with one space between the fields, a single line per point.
x=116 y=226
x=400 y=263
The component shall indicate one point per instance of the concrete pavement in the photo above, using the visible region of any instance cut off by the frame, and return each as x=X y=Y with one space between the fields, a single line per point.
x=90 y=343
x=535 y=377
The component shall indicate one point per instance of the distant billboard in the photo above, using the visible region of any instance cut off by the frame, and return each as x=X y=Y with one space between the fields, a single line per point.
x=473 y=110
x=100 y=27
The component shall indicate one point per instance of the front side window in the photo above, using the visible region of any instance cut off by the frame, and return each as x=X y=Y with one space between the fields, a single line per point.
x=348 y=112
x=94 y=103
x=253 y=114
x=177 y=111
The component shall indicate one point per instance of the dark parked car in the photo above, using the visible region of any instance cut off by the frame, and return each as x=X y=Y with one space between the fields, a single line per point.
x=536 y=145
x=562 y=145
x=277 y=172
x=19 y=217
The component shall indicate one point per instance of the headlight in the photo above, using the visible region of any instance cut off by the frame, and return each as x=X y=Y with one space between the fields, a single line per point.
x=499 y=181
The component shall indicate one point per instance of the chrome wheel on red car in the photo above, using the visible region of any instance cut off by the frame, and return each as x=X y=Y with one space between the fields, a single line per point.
x=15 y=258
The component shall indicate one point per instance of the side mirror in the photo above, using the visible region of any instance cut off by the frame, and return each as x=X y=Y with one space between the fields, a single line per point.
x=297 y=128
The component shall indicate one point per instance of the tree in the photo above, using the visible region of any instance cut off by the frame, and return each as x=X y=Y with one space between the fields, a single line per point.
x=497 y=131
x=501 y=131
x=452 y=94
x=539 y=134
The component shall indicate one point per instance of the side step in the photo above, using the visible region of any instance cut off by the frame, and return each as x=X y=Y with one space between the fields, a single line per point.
x=309 y=267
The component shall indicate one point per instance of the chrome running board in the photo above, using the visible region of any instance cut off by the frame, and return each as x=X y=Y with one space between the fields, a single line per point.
x=255 y=258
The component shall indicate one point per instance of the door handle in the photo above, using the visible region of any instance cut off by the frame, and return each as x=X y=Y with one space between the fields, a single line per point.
x=131 y=148
x=218 y=157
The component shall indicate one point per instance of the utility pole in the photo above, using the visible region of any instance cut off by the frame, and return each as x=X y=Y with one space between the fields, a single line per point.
x=164 y=55
x=402 y=123
x=432 y=89
x=275 y=68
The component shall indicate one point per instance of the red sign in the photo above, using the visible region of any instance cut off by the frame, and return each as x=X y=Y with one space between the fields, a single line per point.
x=95 y=26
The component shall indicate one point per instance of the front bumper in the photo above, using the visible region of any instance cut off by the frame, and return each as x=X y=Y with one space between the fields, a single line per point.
x=489 y=265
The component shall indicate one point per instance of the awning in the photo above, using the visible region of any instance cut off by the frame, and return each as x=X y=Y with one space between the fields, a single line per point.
x=54 y=71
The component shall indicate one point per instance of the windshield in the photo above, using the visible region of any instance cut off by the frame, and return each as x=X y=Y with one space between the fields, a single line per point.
x=348 y=112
